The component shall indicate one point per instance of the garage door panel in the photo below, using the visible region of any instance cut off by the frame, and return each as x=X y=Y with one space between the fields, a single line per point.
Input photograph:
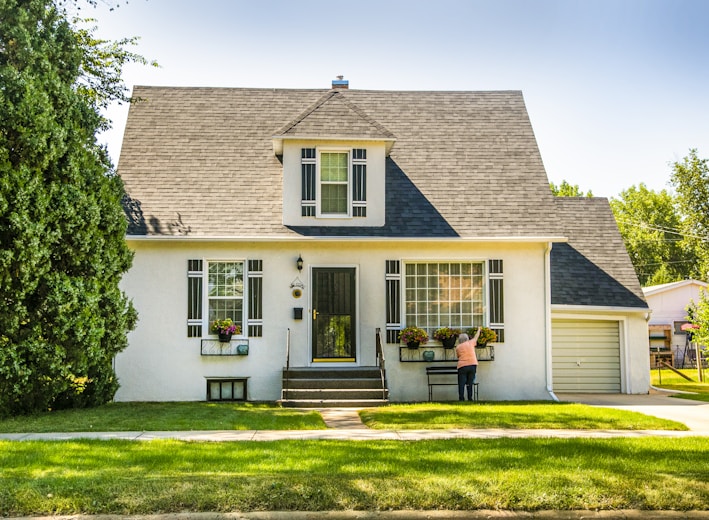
x=587 y=388
x=586 y=356
x=597 y=371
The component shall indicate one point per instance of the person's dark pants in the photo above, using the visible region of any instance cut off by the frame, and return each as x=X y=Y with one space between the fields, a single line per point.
x=466 y=376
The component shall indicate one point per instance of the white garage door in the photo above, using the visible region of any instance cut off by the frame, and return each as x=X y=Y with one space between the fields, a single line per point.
x=586 y=356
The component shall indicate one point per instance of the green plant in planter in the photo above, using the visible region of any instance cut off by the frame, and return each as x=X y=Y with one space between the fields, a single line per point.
x=226 y=326
x=446 y=333
x=447 y=336
x=413 y=335
x=486 y=335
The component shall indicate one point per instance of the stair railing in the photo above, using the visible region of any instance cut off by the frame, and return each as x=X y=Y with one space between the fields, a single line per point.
x=285 y=382
x=381 y=361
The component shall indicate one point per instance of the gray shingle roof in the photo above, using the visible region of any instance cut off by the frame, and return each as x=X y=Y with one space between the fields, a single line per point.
x=593 y=268
x=334 y=115
x=200 y=161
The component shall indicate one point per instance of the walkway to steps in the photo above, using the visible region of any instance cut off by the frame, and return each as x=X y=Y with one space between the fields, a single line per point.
x=342 y=418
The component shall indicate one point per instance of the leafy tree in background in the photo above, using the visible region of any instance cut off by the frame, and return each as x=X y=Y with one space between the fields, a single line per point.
x=567 y=190
x=690 y=178
x=650 y=224
x=62 y=250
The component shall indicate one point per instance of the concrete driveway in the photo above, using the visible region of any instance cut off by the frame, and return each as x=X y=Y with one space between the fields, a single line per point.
x=695 y=414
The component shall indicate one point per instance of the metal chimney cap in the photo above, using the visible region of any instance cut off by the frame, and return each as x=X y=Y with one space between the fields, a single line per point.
x=340 y=82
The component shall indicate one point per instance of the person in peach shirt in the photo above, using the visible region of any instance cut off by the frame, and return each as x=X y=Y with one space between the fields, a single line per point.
x=467 y=364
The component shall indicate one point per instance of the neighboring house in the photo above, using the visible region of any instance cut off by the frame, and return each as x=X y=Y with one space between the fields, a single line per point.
x=669 y=303
x=315 y=218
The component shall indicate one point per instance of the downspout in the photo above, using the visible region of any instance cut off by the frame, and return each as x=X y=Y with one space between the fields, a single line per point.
x=547 y=319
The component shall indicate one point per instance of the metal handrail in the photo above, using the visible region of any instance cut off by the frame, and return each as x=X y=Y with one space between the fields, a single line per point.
x=380 y=360
x=286 y=382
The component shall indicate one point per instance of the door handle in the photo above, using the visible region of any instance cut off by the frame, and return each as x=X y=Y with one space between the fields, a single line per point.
x=315 y=314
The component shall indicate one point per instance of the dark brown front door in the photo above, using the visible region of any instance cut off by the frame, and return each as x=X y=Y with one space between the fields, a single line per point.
x=334 y=314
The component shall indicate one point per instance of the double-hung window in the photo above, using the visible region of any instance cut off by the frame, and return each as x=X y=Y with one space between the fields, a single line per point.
x=334 y=182
x=225 y=295
x=225 y=292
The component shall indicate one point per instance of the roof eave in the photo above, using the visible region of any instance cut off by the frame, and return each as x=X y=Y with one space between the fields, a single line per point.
x=278 y=141
x=300 y=238
x=597 y=309
x=672 y=286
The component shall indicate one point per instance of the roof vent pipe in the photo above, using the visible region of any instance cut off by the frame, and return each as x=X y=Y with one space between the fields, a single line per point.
x=340 y=83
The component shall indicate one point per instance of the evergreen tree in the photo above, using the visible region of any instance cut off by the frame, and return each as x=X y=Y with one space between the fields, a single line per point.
x=62 y=250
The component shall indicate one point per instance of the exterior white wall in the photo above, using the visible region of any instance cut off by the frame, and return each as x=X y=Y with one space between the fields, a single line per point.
x=163 y=364
x=634 y=358
x=376 y=166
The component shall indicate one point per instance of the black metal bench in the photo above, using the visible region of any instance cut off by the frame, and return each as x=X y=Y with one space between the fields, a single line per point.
x=435 y=376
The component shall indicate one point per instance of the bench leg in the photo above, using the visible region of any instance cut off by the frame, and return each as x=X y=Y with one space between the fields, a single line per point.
x=475 y=391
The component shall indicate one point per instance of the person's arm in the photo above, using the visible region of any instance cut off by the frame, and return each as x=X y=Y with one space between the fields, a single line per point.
x=477 y=335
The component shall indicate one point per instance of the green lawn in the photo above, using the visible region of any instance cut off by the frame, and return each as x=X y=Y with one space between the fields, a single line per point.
x=670 y=381
x=531 y=415
x=167 y=417
x=124 y=477
x=249 y=416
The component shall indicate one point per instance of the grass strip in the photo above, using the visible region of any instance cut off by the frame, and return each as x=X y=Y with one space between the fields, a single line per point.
x=167 y=417
x=668 y=380
x=529 y=415
x=122 y=477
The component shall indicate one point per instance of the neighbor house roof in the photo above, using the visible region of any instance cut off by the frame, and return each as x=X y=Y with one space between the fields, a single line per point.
x=656 y=289
x=593 y=268
x=200 y=162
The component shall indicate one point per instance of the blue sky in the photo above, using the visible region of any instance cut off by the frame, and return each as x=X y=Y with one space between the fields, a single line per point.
x=616 y=89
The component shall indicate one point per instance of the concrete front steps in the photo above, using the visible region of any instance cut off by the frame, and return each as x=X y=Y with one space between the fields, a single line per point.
x=314 y=387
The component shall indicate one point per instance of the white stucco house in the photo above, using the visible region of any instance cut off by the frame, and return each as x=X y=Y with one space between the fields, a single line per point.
x=668 y=303
x=316 y=218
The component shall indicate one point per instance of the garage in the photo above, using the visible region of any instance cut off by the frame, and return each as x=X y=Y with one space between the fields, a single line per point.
x=586 y=356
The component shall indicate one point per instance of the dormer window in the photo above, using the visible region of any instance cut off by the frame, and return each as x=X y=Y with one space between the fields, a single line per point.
x=334 y=182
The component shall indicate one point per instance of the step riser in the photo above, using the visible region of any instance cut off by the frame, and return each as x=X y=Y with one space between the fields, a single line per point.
x=346 y=384
x=348 y=373
x=338 y=395
x=333 y=387
x=333 y=404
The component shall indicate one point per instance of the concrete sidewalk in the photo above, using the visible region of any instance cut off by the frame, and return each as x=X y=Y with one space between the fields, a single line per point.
x=658 y=403
x=351 y=434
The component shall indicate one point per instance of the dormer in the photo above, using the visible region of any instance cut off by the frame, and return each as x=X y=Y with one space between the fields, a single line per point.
x=334 y=165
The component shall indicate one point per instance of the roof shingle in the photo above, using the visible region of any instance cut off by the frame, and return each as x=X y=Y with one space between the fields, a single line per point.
x=593 y=268
x=200 y=162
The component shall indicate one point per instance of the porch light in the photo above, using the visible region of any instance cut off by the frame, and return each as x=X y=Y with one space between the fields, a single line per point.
x=299 y=263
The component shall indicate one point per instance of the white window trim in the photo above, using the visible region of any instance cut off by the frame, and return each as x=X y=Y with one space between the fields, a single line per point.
x=318 y=183
x=485 y=287
x=206 y=298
